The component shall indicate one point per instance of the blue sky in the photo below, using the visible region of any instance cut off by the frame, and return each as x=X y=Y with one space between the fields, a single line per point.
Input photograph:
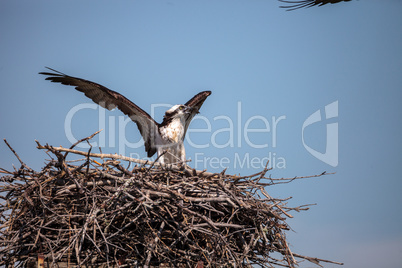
x=251 y=54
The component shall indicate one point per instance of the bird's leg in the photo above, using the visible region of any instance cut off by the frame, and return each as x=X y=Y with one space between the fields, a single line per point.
x=161 y=156
x=182 y=155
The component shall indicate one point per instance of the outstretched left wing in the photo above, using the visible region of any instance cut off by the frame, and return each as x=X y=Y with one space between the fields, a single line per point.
x=110 y=99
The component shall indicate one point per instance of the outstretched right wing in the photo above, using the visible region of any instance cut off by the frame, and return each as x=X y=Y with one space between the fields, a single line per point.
x=110 y=99
x=195 y=103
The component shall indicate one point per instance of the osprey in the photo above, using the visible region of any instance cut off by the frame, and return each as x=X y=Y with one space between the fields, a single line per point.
x=166 y=138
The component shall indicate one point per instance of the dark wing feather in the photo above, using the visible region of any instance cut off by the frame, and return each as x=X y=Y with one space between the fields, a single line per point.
x=198 y=99
x=196 y=103
x=110 y=99
x=308 y=3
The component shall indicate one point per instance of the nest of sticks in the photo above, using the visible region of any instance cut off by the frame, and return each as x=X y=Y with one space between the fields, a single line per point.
x=92 y=213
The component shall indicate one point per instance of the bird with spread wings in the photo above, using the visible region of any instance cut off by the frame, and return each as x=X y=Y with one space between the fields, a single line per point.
x=165 y=138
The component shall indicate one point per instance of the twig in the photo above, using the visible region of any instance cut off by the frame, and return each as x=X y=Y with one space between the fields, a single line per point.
x=116 y=156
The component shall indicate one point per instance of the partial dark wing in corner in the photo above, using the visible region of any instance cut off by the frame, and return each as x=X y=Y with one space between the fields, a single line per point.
x=196 y=103
x=292 y=5
x=110 y=99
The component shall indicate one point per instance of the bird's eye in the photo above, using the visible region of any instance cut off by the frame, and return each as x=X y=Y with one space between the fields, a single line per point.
x=181 y=107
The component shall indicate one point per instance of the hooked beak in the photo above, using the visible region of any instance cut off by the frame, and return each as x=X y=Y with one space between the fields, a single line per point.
x=189 y=110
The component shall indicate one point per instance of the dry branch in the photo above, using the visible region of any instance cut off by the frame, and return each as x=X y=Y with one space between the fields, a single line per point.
x=88 y=213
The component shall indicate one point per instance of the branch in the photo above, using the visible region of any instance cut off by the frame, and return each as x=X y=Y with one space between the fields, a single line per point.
x=121 y=157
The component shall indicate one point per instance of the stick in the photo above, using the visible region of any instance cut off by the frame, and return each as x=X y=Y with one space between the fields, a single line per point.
x=125 y=158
